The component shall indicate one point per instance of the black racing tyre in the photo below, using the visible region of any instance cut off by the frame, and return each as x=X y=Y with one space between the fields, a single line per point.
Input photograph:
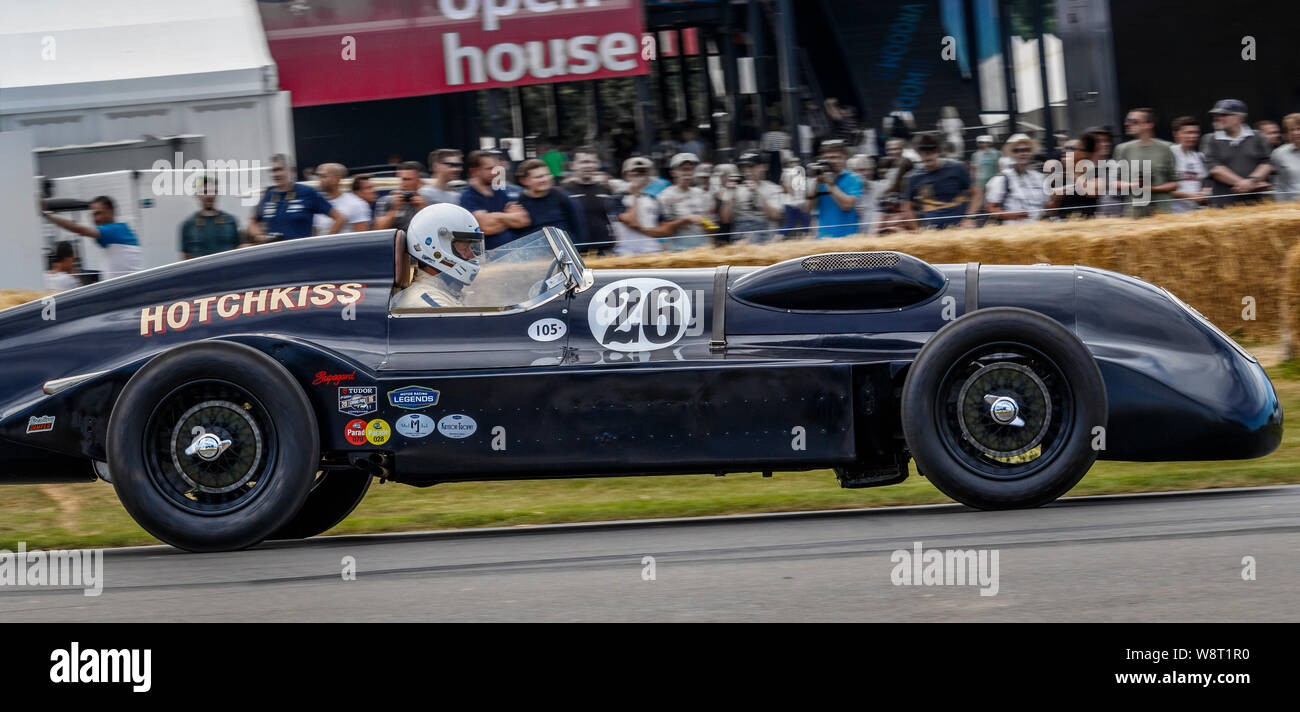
x=333 y=497
x=212 y=446
x=999 y=409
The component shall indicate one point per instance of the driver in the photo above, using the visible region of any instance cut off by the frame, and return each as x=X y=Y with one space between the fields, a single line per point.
x=445 y=241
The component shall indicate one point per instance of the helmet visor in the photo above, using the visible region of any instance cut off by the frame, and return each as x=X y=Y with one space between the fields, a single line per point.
x=467 y=245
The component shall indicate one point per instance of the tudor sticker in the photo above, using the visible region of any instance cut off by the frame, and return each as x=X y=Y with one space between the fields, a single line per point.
x=355 y=432
x=414 y=425
x=546 y=330
x=358 y=400
x=457 y=426
x=639 y=314
x=413 y=397
x=40 y=424
x=378 y=432
x=179 y=316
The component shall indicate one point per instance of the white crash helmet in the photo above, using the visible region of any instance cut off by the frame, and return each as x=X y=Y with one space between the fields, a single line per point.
x=431 y=233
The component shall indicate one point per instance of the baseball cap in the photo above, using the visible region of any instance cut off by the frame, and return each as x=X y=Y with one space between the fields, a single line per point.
x=1229 y=106
x=638 y=163
x=984 y=138
x=681 y=158
x=749 y=158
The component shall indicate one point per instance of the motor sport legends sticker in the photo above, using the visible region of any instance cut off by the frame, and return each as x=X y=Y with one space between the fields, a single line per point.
x=413 y=397
x=358 y=400
x=378 y=432
x=40 y=424
x=457 y=426
x=355 y=432
x=639 y=314
x=179 y=316
x=414 y=425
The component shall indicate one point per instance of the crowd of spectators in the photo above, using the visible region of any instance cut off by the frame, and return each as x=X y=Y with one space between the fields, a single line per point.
x=832 y=178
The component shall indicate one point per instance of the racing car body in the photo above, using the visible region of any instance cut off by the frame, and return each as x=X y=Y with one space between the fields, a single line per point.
x=257 y=392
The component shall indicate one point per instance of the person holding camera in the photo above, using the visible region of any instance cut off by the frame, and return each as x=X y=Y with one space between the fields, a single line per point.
x=395 y=210
x=755 y=202
x=834 y=192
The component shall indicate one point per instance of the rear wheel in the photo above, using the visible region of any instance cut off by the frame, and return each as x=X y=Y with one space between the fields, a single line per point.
x=999 y=409
x=212 y=446
x=333 y=497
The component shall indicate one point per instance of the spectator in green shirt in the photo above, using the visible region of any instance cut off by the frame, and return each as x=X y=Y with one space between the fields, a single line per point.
x=1155 y=180
x=209 y=230
x=554 y=159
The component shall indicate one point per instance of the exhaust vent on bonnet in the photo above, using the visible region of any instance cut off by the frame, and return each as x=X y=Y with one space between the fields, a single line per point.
x=851 y=260
x=842 y=281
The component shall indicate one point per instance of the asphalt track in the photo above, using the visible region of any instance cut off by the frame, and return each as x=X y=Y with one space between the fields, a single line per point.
x=1159 y=557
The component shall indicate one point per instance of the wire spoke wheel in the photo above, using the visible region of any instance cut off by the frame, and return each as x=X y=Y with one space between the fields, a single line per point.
x=209 y=446
x=1002 y=409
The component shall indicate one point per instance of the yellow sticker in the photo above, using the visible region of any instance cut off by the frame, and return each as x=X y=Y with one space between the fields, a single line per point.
x=378 y=432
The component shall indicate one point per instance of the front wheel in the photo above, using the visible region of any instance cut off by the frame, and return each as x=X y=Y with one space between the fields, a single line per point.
x=1000 y=409
x=212 y=446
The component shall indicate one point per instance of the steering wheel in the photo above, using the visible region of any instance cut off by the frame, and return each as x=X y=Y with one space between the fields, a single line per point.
x=550 y=272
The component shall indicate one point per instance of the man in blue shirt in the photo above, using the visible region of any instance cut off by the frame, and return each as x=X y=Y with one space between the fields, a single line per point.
x=836 y=194
x=287 y=208
x=492 y=202
x=938 y=189
x=121 y=248
x=547 y=205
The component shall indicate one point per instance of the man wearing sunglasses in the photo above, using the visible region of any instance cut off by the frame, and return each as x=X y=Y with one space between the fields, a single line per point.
x=447 y=165
x=1155 y=161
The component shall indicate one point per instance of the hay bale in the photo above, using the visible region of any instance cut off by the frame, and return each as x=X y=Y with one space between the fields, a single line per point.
x=1290 y=304
x=14 y=297
x=1212 y=259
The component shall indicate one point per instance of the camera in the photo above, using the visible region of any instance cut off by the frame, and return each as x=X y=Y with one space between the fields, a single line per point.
x=817 y=168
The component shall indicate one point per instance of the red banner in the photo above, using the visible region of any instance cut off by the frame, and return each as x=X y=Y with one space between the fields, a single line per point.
x=331 y=51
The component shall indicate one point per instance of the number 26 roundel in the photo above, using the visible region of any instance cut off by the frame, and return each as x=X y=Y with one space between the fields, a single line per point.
x=640 y=314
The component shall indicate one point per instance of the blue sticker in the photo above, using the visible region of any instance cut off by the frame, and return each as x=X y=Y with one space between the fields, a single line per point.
x=413 y=397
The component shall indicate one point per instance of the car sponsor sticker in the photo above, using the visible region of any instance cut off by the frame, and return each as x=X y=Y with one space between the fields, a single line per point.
x=546 y=330
x=413 y=397
x=358 y=400
x=639 y=314
x=179 y=316
x=457 y=426
x=333 y=379
x=40 y=424
x=378 y=432
x=414 y=425
x=355 y=432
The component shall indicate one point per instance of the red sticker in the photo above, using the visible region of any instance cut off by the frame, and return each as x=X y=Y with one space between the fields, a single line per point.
x=355 y=432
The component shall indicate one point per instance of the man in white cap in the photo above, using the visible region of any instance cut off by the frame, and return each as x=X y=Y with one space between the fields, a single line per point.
x=637 y=226
x=685 y=201
x=983 y=166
